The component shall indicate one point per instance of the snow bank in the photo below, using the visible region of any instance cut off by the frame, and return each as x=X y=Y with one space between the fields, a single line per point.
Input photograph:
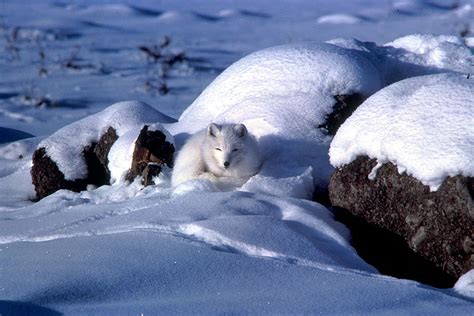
x=423 y=125
x=414 y=55
x=262 y=84
x=282 y=94
x=125 y=249
x=66 y=145
x=442 y=51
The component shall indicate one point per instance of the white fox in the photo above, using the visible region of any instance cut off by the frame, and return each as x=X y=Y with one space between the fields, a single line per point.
x=221 y=153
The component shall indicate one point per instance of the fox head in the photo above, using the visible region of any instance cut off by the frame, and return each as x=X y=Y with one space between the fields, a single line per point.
x=226 y=143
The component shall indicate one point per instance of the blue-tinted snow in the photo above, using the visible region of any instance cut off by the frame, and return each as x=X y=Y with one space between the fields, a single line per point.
x=262 y=249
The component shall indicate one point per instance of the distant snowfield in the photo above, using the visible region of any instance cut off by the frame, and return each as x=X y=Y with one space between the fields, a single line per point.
x=261 y=249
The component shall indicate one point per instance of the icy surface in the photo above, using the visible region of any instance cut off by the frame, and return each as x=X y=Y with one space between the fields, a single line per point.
x=262 y=249
x=424 y=125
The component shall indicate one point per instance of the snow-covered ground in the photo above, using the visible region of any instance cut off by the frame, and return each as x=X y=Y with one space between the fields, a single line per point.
x=263 y=248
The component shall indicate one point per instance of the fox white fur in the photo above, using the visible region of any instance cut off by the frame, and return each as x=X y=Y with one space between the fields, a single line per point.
x=225 y=153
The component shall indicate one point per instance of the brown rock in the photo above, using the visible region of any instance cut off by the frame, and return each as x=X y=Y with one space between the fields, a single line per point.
x=438 y=226
x=47 y=178
x=101 y=151
x=151 y=152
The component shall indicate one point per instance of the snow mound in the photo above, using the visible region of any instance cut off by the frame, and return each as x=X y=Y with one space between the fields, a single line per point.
x=255 y=225
x=442 y=51
x=261 y=85
x=414 y=55
x=423 y=125
x=282 y=94
x=339 y=18
x=66 y=145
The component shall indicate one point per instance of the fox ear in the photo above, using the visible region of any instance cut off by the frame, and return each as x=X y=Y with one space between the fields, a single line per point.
x=213 y=129
x=240 y=130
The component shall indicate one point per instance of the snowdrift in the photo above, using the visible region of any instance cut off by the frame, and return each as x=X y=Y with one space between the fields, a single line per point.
x=260 y=249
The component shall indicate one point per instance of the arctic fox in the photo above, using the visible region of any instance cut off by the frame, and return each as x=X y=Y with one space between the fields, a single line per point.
x=225 y=154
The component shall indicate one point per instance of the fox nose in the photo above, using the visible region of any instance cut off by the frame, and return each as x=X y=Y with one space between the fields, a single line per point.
x=226 y=164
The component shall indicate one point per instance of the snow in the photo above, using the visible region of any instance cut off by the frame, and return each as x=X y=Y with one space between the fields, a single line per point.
x=443 y=52
x=281 y=94
x=465 y=284
x=423 y=125
x=414 y=55
x=339 y=19
x=9 y=135
x=263 y=248
x=121 y=152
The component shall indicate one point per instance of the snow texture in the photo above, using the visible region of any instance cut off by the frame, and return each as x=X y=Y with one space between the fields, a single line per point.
x=423 y=125
x=193 y=249
x=281 y=94
x=465 y=284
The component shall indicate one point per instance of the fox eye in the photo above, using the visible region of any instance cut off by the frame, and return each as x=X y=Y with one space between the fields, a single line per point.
x=235 y=149
x=218 y=149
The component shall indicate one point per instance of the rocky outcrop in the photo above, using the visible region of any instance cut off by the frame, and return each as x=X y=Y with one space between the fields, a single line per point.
x=47 y=178
x=438 y=226
x=152 y=151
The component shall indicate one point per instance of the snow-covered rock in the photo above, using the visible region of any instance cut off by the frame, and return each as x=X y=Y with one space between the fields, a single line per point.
x=268 y=87
x=423 y=125
x=65 y=146
x=404 y=162
x=283 y=94
x=85 y=152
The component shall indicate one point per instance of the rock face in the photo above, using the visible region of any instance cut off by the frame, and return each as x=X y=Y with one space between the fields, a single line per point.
x=47 y=178
x=152 y=151
x=345 y=105
x=438 y=226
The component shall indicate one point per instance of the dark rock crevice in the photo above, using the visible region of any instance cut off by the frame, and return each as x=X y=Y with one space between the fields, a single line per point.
x=151 y=152
x=345 y=105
